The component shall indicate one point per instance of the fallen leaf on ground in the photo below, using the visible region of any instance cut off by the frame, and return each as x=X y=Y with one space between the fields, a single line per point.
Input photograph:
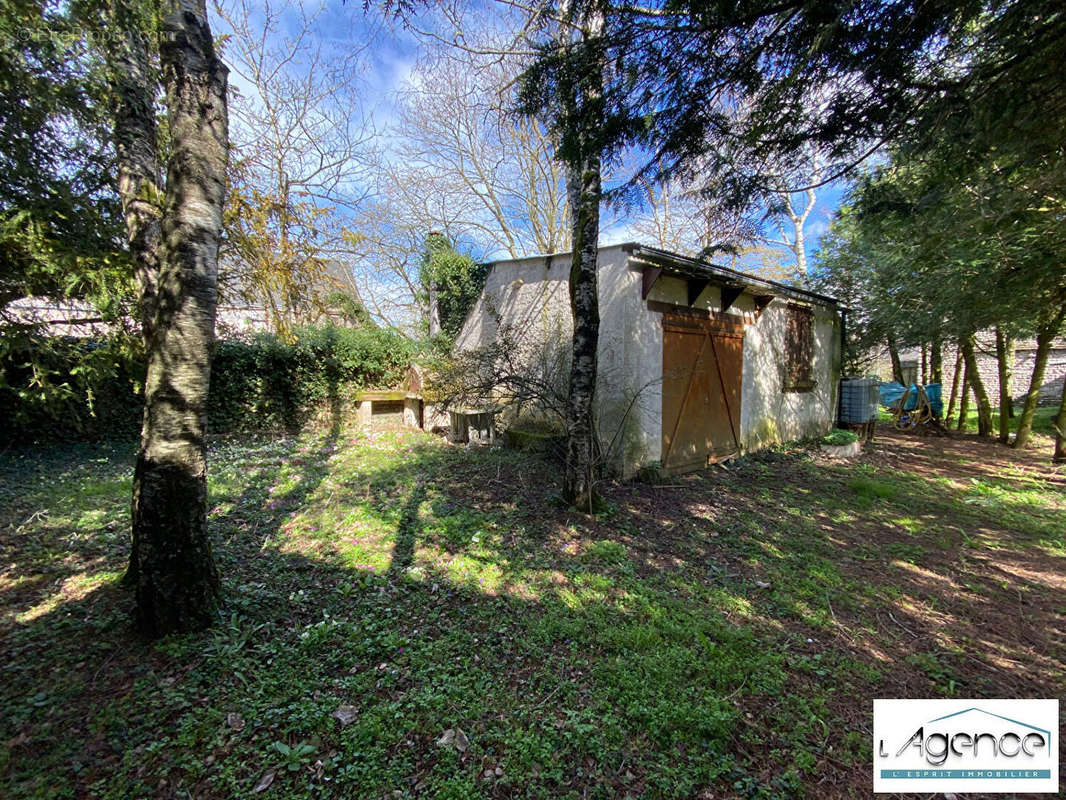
x=235 y=721
x=346 y=715
x=454 y=737
x=461 y=742
x=264 y=782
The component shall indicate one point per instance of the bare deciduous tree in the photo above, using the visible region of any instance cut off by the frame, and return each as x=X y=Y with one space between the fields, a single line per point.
x=301 y=154
x=678 y=217
x=463 y=165
x=526 y=374
x=459 y=142
x=795 y=199
x=386 y=258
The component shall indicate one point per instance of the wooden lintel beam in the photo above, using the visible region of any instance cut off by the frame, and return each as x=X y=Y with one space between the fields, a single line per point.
x=730 y=295
x=679 y=311
x=651 y=274
x=695 y=289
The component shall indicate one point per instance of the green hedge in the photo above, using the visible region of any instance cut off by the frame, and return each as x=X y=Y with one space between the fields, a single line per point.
x=65 y=388
x=257 y=384
x=268 y=384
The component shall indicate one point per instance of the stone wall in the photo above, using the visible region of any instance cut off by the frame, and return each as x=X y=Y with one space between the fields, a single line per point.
x=987 y=365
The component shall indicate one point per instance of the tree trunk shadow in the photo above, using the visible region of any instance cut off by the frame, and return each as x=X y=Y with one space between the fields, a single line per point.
x=403 y=552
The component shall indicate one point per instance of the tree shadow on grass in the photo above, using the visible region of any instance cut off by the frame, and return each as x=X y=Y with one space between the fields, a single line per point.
x=304 y=635
x=597 y=648
x=408 y=530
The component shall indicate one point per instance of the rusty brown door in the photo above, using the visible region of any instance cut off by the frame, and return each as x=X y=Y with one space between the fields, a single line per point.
x=703 y=361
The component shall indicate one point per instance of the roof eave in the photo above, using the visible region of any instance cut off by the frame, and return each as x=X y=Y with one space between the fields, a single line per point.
x=724 y=275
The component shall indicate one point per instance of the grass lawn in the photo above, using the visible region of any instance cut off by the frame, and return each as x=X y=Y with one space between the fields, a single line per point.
x=411 y=619
x=1043 y=422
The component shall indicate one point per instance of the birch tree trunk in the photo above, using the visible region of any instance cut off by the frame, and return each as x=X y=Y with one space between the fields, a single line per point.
x=177 y=587
x=984 y=408
x=137 y=164
x=1045 y=335
x=584 y=190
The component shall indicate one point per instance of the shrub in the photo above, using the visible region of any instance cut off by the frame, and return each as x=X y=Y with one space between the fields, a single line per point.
x=259 y=383
x=264 y=383
x=839 y=437
x=67 y=388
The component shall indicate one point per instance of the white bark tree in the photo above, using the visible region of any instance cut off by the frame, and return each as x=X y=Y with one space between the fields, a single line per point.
x=796 y=199
x=171 y=565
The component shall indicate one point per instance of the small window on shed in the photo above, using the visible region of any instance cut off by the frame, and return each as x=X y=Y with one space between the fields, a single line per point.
x=799 y=349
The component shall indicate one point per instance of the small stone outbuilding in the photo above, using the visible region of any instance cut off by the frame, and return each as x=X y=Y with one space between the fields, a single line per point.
x=406 y=406
x=697 y=362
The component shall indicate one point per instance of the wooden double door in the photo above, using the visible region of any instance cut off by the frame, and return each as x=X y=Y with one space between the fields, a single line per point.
x=703 y=363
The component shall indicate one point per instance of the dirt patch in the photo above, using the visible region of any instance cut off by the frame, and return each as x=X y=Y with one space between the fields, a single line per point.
x=978 y=611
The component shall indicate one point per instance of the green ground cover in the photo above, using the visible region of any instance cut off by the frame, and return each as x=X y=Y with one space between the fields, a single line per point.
x=406 y=618
x=1043 y=421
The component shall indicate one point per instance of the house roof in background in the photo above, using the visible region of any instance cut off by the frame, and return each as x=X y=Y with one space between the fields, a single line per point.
x=80 y=319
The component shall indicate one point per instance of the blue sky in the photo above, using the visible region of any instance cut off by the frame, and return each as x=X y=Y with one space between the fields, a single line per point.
x=829 y=199
x=390 y=57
